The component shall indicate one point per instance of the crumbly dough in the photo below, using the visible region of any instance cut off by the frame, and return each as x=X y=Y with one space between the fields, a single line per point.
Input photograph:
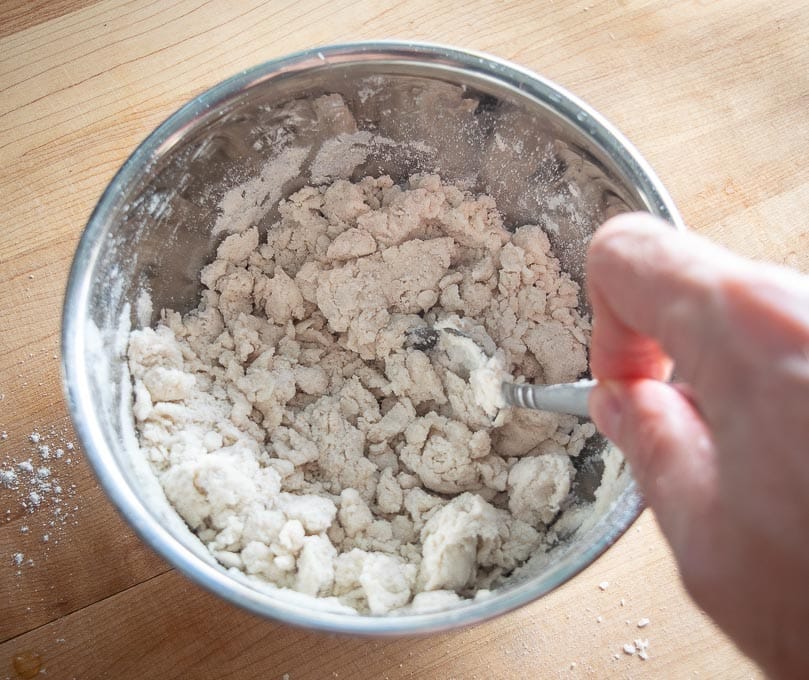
x=309 y=446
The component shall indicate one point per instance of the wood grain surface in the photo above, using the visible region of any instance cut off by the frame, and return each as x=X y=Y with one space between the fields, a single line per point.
x=714 y=94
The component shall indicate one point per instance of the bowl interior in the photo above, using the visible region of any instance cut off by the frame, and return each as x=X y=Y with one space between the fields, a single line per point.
x=237 y=149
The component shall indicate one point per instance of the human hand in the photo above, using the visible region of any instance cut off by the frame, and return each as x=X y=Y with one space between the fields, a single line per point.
x=724 y=463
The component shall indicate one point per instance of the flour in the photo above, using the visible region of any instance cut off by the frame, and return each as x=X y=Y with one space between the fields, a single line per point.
x=639 y=647
x=308 y=446
x=9 y=479
x=263 y=191
x=34 y=483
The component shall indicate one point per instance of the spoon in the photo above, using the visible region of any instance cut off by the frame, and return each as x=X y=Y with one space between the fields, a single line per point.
x=568 y=398
x=559 y=398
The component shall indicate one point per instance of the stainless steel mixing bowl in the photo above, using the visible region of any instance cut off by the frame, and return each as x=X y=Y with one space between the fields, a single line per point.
x=545 y=156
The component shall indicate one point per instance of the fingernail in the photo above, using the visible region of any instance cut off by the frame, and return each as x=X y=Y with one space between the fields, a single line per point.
x=606 y=408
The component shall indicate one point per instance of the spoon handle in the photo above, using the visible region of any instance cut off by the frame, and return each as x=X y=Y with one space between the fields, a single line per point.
x=562 y=398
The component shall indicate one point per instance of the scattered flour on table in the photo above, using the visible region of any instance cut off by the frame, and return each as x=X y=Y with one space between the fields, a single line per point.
x=309 y=447
x=32 y=477
x=639 y=647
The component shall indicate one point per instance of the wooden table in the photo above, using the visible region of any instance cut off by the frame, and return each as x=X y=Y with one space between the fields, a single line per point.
x=715 y=95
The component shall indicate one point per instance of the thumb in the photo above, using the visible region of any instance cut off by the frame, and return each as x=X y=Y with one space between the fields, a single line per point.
x=668 y=447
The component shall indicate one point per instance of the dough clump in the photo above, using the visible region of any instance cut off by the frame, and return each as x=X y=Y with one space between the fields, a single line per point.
x=309 y=446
